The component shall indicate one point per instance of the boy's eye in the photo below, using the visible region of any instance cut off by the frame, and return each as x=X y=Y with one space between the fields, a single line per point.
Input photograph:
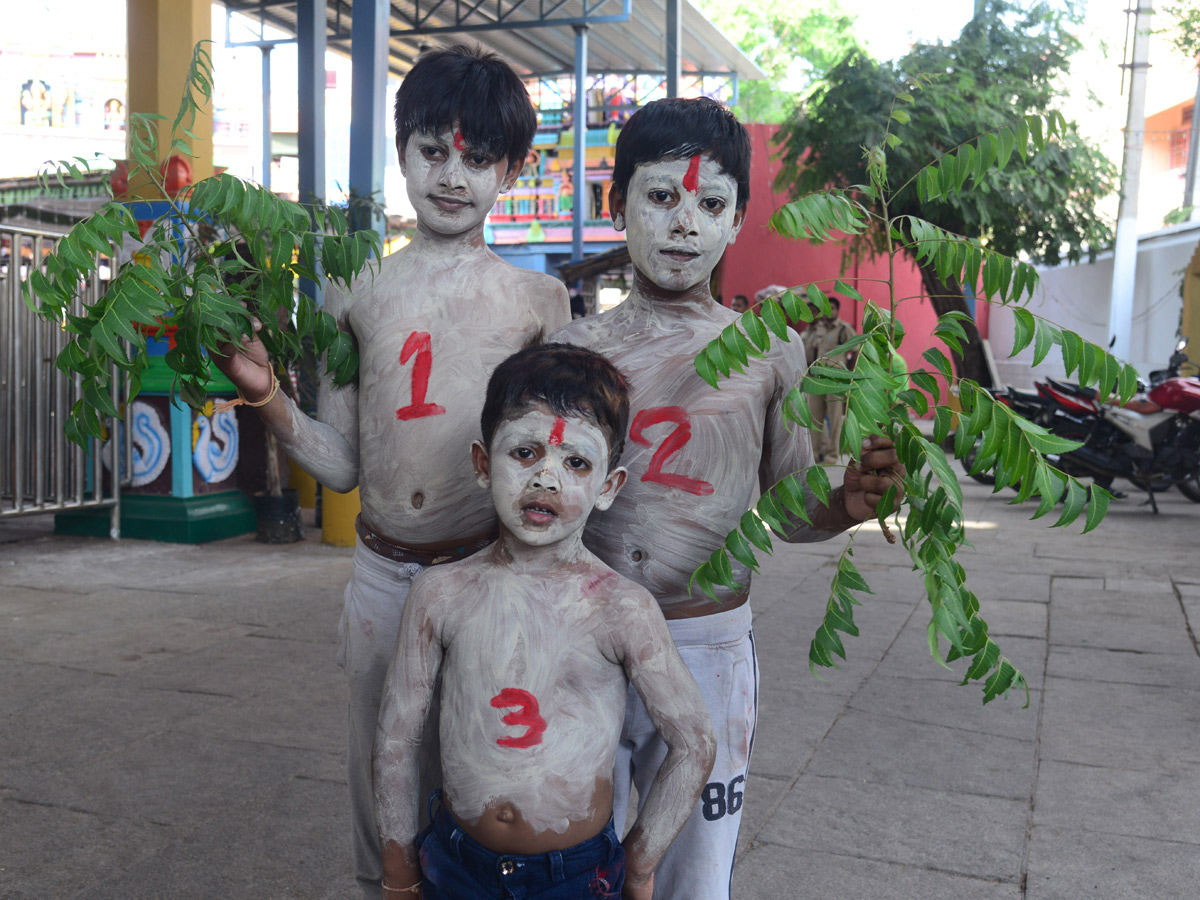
x=714 y=204
x=660 y=196
x=432 y=152
x=479 y=160
x=522 y=453
x=578 y=463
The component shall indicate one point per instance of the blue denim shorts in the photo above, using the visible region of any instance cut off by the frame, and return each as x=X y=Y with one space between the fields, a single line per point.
x=456 y=867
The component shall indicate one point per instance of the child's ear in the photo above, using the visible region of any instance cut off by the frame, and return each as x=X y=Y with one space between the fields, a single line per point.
x=739 y=218
x=612 y=485
x=511 y=176
x=616 y=206
x=479 y=457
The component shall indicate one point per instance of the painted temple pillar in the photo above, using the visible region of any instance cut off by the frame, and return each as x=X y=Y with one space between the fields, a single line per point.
x=192 y=470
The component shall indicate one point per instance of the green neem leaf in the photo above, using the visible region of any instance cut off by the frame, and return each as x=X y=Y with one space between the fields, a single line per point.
x=818 y=483
x=772 y=315
x=1047 y=336
x=705 y=369
x=846 y=290
x=1097 y=508
x=817 y=298
x=740 y=550
x=1072 y=503
x=755 y=531
x=796 y=408
x=1025 y=326
x=791 y=493
x=755 y=330
x=938 y=360
x=926 y=382
x=1072 y=350
x=771 y=511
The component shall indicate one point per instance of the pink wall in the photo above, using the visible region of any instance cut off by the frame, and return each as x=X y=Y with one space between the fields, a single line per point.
x=761 y=257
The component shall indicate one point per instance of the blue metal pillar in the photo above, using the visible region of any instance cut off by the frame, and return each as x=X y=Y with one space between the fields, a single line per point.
x=265 y=180
x=310 y=47
x=368 y=59
x=581 y=197
x=674 y=43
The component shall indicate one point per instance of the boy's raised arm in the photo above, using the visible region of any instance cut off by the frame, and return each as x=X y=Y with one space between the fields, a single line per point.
x=326 y=447
x=678 y=712
x=407 y=694
x=789 y=452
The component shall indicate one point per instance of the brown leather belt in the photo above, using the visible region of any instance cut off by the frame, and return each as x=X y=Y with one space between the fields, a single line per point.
x=396 y=553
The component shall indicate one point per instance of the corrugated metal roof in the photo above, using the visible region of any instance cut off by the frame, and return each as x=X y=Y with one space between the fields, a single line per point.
x=637 y=45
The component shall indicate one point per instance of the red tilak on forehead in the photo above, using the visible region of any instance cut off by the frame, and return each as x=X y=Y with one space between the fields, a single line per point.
x=691 y=181
x=459 y=144
x=556 y=433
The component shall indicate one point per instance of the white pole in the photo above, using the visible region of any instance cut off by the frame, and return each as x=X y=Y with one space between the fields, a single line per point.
x=1120 y=310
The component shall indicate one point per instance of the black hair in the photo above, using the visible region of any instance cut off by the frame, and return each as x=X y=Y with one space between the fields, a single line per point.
x=474 y=90
x=570 y=380
x=680 y=127
x=836 y=301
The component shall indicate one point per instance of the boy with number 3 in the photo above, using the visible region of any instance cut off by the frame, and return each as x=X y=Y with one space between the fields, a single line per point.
x=698 y=456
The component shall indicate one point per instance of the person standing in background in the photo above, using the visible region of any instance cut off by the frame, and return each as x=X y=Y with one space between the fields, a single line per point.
x=829 y=410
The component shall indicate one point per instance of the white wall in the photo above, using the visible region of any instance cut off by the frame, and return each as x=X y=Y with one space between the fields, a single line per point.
x=1077 y=297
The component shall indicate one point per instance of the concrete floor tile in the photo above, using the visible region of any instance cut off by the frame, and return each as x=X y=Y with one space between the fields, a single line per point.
x=1070 y=863
x=1100 y=664
x=290 y=840
x=1014 y=618
x=947 y=703
x=55 y=851
x=1140 y=727
x=790 y=726
x=1095 y=798
x=771 y=872
x=760 y=798
x=922 y=755
x=966 y=834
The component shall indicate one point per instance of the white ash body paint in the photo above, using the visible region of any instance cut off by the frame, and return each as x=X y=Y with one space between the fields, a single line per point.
x=537 y=616
x=415 y=475
x=732 y=441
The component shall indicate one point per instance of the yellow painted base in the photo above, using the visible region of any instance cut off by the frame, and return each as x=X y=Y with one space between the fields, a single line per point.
x=337 y=517
x=1191 y=310
x=304 y=485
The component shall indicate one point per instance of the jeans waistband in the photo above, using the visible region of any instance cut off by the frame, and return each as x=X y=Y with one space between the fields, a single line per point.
x=514 y=868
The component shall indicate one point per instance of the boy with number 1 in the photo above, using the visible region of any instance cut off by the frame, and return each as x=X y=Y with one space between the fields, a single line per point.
x=429 y=328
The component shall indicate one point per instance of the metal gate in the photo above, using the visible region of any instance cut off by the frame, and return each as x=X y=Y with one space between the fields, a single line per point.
x=40 y=470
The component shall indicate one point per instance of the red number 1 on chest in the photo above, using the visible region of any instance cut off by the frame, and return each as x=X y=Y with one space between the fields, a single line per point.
x=418 y=343
x=672 y=444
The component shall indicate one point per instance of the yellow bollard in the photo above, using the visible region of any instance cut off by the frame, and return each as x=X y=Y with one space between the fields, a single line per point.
x=303 y=483
x=337 y=517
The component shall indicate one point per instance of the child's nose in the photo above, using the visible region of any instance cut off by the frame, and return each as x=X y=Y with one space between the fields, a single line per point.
x=546 y=480
x=684 y=221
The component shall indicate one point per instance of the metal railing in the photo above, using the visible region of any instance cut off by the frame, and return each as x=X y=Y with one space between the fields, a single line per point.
x=40 y=470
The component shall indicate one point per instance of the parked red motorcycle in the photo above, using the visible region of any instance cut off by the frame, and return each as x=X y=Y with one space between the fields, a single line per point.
x=1153 y=440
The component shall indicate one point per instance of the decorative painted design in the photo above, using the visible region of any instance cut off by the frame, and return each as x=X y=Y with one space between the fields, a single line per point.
x=151 y=445
x=215 y=444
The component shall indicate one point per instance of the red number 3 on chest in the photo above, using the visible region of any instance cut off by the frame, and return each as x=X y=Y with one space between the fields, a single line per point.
x=672 y=444
x=418 y=342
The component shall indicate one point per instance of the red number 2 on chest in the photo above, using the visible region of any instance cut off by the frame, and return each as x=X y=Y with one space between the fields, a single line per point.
x=418 y=343
x=672 y=444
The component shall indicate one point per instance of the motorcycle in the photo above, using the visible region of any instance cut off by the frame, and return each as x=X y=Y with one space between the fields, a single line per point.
x=1152 y=441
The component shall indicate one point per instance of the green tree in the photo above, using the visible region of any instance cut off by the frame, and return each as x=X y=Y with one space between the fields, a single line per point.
x=1005 y=65
x=1184 y=31
x=794 y=44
